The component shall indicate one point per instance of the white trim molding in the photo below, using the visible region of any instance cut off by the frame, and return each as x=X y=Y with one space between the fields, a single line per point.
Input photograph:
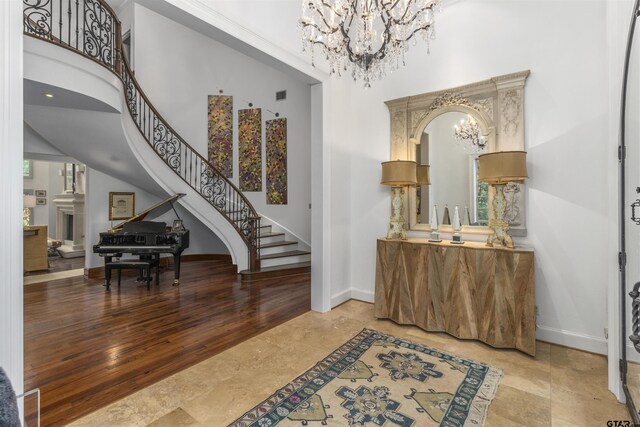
x=572 y=339
x=11 y=143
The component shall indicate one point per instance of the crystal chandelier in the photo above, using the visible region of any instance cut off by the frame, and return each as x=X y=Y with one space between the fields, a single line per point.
x=468 y=130
x=367 y=36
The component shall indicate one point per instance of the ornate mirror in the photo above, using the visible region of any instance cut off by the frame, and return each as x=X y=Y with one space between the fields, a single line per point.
x=489 y=117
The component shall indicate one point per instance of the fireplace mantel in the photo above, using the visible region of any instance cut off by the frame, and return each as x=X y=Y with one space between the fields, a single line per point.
x=70 y=204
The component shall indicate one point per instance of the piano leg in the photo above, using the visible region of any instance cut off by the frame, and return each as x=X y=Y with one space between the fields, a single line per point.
x=107 y=272
x=176 y=269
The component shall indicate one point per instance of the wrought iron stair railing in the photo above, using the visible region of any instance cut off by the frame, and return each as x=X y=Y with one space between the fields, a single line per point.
x=92 y=29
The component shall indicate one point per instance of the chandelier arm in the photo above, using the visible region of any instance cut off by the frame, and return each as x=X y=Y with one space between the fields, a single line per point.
x=413 y=33
x=401 y=21
x=326 y=33
x=406 y=10
x=324 y=19
x=324 y=3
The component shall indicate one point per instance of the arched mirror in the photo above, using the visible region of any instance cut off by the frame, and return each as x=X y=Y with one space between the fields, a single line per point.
x=451 y=144
x=489 y=116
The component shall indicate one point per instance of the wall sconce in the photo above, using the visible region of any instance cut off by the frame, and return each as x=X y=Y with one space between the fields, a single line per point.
x=28 y=202
x=498 y=169
x=398 y=174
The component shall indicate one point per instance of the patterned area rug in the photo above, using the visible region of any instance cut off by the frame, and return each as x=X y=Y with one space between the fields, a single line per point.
x=377 y=379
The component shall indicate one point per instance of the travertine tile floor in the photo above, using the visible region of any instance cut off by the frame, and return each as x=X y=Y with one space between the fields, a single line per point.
x=559 y=387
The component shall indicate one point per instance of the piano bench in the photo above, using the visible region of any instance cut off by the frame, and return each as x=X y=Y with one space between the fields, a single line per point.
x=142 y=265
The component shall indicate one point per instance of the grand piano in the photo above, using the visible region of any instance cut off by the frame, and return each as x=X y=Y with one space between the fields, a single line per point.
x=146 y=239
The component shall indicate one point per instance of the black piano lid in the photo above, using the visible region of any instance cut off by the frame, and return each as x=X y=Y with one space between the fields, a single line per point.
x=154 y=211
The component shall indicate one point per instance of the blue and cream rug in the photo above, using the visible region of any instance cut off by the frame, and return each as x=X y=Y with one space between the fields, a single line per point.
x=377 y=379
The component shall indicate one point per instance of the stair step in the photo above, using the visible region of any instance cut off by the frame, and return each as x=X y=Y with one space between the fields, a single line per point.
x=275 y=271
x=285 y=254
x=274 y=244
x=264 y=235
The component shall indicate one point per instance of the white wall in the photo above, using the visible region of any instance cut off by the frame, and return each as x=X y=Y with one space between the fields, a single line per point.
x=178 y=68
x=202 y=240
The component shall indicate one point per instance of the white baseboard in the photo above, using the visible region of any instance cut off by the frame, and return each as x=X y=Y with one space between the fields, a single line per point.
x=632 y=354
x=360 y=295
x=572 y=339
x=340 y=298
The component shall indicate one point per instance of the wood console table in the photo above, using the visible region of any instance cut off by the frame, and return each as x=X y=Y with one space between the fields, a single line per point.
x=470 y=291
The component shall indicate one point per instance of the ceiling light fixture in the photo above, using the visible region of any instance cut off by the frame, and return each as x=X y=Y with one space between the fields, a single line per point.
x=369 y=36
x=48 y=95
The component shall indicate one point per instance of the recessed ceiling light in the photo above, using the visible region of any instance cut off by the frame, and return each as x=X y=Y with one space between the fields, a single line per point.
x=48 y=95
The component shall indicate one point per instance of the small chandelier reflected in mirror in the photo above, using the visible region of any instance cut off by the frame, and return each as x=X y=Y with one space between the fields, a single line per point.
x=369 y=37
x=468 y=133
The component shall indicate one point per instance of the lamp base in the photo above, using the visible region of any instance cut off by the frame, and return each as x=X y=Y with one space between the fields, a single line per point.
x=500 y=234
x=396 y=224
x=499 y=225
x=396 y=228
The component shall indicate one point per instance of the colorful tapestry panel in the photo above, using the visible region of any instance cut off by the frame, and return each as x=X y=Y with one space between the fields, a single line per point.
x=250 y=149
x=276 y=161
x=220 y=135
x=377 y=379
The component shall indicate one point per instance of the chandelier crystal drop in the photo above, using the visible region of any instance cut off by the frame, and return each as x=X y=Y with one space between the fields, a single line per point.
x=468 y=130
x=365 y=37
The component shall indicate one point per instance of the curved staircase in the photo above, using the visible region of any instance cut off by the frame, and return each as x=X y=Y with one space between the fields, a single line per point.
x=90 y=28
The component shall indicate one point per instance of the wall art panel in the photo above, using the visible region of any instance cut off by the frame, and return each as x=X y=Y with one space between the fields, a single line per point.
x=276 y=135
x=250 y=149
x=220 y=127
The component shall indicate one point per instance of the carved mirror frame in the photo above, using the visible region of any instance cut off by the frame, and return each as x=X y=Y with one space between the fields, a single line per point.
x=498 y=106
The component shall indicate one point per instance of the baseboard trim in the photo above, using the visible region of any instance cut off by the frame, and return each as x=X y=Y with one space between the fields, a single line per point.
x=361 y=295
x=340 y=298
x=98 y=272
x=565 y=338
x=357 y=294
x=205 y=257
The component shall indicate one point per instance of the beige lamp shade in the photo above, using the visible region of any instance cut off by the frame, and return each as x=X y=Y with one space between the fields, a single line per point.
x=398 y=172
x=28 y=201
x=502 y=166
x=422 y=175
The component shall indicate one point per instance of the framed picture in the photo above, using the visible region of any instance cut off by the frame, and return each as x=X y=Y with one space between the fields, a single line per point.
x=121 y=205
x=177 y=225
x=27 y=192
x=41 y=201
x=41 y=193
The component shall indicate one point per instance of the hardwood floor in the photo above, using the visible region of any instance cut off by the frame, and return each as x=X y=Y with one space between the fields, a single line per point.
x=86 y=348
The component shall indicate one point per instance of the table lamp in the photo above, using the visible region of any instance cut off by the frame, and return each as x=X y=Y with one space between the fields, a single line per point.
x=398 y=174
x=28 y=202
x=498 y=169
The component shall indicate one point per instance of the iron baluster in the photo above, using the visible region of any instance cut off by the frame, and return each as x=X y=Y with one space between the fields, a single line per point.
x=77 y=23
x=69 y=22
x=60 y=21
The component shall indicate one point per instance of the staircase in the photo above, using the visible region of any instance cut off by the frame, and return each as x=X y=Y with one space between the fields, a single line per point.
x=278 y=256
x=91 y=29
